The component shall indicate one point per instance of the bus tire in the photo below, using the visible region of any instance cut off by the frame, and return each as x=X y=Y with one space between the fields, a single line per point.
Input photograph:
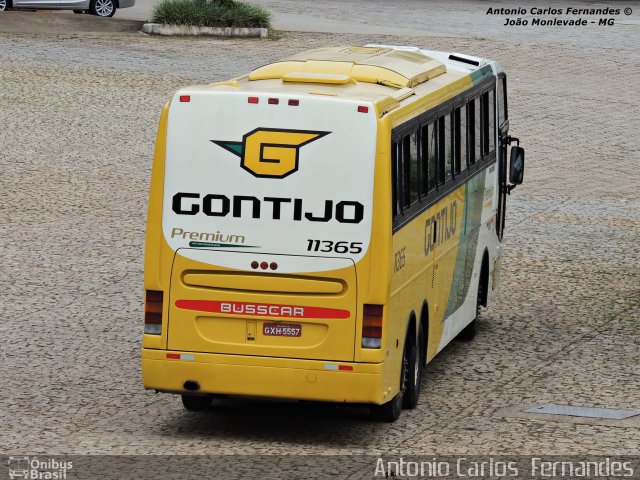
x=388 y=412
x=469 y=332
x=196 y=403
x=413 y=371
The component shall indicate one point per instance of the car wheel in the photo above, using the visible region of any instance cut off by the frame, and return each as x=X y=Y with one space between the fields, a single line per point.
x=102 y=8
x=196 y=403
x=4 y=5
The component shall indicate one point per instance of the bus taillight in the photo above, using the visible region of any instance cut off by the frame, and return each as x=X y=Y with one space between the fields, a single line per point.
x=372 y=326
x=153 y=312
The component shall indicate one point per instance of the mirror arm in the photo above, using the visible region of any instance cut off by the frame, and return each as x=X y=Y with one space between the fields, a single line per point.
x=509 y=188
x=513 y=139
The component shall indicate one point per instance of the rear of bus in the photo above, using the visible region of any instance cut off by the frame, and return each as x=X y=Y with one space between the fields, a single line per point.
x=260 y=221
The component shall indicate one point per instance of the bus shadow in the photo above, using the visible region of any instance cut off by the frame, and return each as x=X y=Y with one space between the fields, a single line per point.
x=299 y=423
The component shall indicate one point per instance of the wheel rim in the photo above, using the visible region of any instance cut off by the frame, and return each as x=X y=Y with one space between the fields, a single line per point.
x=3 y=5
x=104 y=8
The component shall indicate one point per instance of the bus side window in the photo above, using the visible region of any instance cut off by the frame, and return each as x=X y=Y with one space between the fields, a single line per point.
x=463 y=137
x=394 y=177
x=471 y=131
x=414 y=181
x=502 y=100
x=444 y=148
x=485 y=123
x=432 y=152
x=492 y=120
x=424 y=160
x=460 y=139
x=478 y=138
x=405 y=188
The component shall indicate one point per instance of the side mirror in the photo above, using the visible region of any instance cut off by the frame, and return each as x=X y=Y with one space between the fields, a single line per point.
x=516 y=169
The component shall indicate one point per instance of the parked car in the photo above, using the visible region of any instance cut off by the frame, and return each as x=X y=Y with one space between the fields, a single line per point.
x=101 y=8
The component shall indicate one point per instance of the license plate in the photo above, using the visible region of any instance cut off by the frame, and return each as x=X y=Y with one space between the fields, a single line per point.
x=282 y=329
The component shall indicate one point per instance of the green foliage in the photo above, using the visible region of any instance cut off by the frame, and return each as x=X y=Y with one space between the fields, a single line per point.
x=210 y=13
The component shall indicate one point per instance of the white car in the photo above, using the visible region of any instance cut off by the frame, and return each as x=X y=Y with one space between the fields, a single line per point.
x=101 y=8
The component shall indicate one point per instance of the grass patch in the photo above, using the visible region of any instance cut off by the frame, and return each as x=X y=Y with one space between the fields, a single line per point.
x=211 y=13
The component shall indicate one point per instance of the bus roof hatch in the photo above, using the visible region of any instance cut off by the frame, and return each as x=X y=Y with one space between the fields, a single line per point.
x=386 y=66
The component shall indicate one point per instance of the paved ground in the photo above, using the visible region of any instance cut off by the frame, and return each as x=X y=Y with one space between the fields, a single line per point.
x=78 y=116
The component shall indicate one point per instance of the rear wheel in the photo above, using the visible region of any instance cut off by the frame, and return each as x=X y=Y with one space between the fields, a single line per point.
x=4 y=5
x=413 y=374
x=388 y=412
x=196 y=403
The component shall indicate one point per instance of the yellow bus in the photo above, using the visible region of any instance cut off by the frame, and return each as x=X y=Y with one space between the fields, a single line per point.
x=321 y=228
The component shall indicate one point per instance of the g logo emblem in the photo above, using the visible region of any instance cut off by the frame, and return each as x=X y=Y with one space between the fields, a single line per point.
x=270 y=152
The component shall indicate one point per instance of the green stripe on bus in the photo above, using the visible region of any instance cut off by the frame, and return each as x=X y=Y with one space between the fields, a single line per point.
x=465 y=259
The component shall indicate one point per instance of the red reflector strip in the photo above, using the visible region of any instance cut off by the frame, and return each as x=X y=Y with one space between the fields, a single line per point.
x=274 y=101
x=173 y=356
x=363 y=109
x=342 y=368
x=262 y=309
x=294 y=103
x=253 y=100
x=185 y=98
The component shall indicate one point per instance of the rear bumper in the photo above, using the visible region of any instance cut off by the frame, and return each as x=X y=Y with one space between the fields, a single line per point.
x=263 y=377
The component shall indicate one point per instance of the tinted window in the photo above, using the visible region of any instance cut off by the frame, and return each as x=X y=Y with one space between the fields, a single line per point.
x=414 y=181
x=463 y=137
x=406 y=172
x=485 y=123
x=502 y=100
x=471 y=131
x=478 y=138
x=424 y=159
x=492 y=121
x=394 y=177
x=459 y=139
x=432 y=155
x=444 y=148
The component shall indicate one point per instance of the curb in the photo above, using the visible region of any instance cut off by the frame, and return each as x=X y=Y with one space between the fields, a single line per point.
x=183 y=30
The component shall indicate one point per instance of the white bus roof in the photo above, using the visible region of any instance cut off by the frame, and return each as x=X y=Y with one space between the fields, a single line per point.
x=379 y=74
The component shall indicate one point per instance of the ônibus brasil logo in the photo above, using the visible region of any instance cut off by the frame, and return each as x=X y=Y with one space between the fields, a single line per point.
x=271 y=152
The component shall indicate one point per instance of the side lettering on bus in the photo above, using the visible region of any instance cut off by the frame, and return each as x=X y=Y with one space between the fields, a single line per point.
x=216 y=205
x=440 y=227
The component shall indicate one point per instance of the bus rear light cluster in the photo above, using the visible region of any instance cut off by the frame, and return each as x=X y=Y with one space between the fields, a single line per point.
x=264 y=265
x=185 y=98
x=363 y=109
x=153 y=312
x=372 y=326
